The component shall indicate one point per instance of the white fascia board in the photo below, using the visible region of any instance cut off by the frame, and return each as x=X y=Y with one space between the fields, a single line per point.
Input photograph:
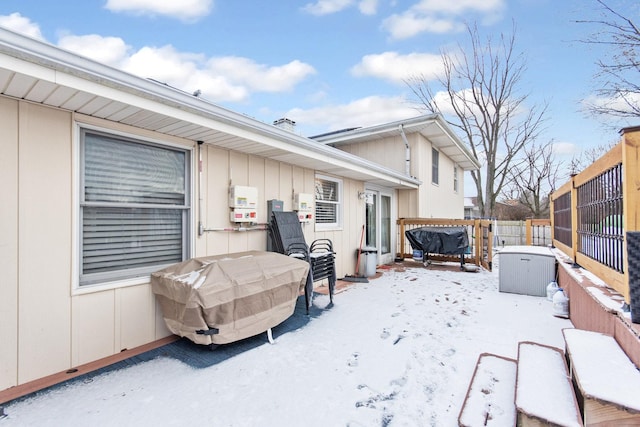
x=458 y=142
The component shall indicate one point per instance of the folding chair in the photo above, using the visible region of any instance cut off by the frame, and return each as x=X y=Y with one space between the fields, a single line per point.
x=287 y=238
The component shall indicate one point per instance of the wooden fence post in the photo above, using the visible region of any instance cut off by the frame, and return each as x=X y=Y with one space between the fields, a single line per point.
x=630 y=191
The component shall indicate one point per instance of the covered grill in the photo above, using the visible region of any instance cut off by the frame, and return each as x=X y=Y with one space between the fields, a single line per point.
x=225 y=298
x=439 y=240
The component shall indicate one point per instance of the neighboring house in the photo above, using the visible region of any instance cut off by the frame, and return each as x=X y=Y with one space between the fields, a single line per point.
x=471 y=209
x=107 y=177
x=423 y=147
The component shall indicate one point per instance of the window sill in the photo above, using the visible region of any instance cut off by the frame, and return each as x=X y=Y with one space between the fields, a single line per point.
x=107 y=286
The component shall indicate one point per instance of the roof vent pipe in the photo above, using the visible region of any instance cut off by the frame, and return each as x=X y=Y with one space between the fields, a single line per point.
x=407 y=152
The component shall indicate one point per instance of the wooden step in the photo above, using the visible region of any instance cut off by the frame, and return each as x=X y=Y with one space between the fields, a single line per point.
x=544 y=393
x=607 y=381
x=489 y=399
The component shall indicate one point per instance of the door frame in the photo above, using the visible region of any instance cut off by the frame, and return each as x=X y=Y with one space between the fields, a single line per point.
x=379 y=191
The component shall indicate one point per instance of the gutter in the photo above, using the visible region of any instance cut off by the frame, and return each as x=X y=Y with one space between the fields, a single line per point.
x=407 y=152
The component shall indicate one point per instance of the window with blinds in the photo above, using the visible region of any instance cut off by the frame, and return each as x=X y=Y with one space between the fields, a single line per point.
x=328 y=202
x=134 y=207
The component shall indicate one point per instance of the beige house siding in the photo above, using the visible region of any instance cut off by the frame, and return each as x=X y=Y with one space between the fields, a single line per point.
x=439 y=200
x=430 y=200
x=8 y=242
x=48 y=325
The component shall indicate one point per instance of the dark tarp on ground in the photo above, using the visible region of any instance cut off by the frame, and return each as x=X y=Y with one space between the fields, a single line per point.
x=439 y=240
x=234 y=295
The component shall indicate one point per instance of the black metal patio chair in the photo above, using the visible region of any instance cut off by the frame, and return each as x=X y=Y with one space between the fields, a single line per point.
x=287 y=238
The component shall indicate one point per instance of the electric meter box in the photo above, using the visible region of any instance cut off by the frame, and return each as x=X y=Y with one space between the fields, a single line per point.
x=243 y=215
x=303 y=205
x=243 y=197
x=243 y=202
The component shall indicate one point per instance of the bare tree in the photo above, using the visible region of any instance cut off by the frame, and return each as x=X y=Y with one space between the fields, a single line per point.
x=619 y=72
x=585 y=158
x=534 y=178
x=481 y=89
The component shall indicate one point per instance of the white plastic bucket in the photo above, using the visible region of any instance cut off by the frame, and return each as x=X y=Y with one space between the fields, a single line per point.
x=417 y=255
x=560 y=304
x=552 y=288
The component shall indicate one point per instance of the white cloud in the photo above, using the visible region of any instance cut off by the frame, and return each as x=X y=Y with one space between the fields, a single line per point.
x=565 y=148
x=326 y=7
x=367 y=111
x=398 y=68
x=221 y=79
x=22 y=25
x=410 y=23
x=111 y=51
x=260 y=77
x=618 y=102
x=185 y=10
x=440 y=16
x=368 y=7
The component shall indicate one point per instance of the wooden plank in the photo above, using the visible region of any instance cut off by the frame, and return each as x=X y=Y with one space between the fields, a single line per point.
x=598 y=414
x=608 y=382
x=544 y=395
x=489 y=398
x=630 y=194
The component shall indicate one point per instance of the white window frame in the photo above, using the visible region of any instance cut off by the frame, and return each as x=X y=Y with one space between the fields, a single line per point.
x=435 y=166
x=322 y=226
x=136 y=276
x=456 y=183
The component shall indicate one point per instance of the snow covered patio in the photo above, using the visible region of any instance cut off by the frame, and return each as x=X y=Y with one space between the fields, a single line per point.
x=397 y=351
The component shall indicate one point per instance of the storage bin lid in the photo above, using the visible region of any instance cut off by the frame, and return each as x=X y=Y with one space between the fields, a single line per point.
x=529 y=250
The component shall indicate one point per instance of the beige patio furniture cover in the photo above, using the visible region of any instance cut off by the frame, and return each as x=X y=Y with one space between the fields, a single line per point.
x=225 y=298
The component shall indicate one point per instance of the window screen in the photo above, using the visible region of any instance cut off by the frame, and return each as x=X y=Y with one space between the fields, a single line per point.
x=134 y=207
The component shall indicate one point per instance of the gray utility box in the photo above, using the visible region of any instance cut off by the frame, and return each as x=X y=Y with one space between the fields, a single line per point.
x=526 y=270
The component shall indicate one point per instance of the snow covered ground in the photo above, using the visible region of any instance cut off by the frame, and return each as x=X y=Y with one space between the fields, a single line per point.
x=397 y=351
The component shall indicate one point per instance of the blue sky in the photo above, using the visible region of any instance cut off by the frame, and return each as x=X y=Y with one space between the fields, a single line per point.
x=329 y=64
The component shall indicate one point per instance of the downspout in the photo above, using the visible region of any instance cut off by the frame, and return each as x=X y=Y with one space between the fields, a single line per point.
x=200 y=225
x=407 y=152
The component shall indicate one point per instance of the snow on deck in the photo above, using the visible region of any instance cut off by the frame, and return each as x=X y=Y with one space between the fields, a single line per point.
x=542 y=388
x=490 y=399
x=603 y=370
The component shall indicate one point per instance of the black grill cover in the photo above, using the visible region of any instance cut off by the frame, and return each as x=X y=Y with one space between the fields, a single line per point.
x=439 y=240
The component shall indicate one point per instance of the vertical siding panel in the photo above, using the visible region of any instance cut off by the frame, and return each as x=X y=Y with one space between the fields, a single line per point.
x=9 y=246
x=93 y=327
x=285 y=185
x=137 y=317
x=217 y=212
x=239 y=175
x=258 y=239
x=45 y=211
x=272 y=180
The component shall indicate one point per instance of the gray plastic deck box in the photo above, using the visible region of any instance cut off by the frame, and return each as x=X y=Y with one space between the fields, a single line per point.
x=526 y=270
